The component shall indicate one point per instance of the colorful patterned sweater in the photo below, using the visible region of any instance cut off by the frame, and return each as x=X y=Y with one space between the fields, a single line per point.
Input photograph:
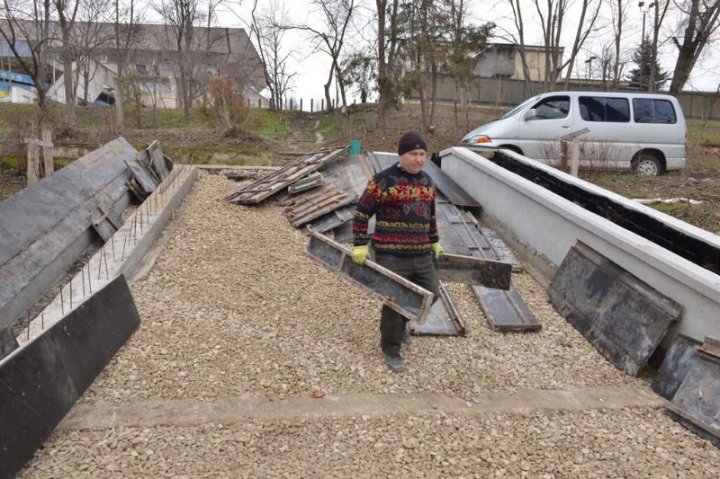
x=404 y=209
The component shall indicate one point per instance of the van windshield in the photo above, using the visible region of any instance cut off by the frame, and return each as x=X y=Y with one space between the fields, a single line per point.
x=515 y=110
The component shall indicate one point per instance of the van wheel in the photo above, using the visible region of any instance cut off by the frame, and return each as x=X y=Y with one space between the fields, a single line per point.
x=648 y=165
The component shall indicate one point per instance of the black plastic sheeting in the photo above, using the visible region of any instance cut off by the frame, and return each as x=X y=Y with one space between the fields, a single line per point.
x=692 y=249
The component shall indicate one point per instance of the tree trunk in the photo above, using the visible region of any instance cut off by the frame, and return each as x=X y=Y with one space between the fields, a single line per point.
x=69 y=95
x=119 y=109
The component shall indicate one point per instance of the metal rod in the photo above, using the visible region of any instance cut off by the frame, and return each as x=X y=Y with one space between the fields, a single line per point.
x=100 y=265
x=107 y=274
x=62 y=302
x=28 y=326
x=70 y=293
x=112 y=242
x=122 y=255
x=82 y=271
x=89 y=278
x=42 y=321
x=141 y=222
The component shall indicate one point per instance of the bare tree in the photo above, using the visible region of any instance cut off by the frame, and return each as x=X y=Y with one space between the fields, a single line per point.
x=337 y=15
x=91 y=32
x=660 y=10
x=67 y=13
x=268 y=32
x=126 y=23
x=520 y=39
x=179 y=17
x=700 y=21
x=466 y=44
x=586 y=24
x=26 y=27
x=619 y=16
x=387 y=45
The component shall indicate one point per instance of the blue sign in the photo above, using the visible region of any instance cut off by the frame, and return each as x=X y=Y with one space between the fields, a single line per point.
x=16 y=77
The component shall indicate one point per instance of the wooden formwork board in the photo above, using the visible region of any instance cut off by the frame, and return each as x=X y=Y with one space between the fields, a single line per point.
x=265 y=187
x=403 y=296
x=317 y=204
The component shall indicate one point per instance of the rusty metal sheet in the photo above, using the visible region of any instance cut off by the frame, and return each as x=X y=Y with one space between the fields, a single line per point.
x=313 y=206
x=623 y=317
x=403 y=296
x=455 y=268
x=265 y=187
x=696 y=404
x=443 y=319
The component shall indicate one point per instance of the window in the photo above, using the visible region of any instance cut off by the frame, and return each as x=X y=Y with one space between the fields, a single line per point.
x=600 y=108
x=649 y=110
x=552 y=108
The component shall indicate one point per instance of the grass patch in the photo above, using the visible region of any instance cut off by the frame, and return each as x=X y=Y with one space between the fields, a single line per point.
x=704 y=132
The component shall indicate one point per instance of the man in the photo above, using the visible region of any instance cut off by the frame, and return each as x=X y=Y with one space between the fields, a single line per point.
x=402 y=199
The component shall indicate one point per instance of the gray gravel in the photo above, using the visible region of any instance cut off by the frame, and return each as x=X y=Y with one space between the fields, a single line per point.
x=233 y=307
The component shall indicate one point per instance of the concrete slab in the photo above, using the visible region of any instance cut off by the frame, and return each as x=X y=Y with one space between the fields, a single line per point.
x=188 y=412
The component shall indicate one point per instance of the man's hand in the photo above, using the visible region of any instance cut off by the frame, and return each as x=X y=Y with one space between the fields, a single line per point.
x=360 y=254
x=437 y=250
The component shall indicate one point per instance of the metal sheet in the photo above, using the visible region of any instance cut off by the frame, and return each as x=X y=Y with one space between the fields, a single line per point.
x=678 y=361
x=623 y=317
x=456 y=268
x=443 y=319
x=696 y=403
x=506 y=310
x=265 y=187
x=403 y=296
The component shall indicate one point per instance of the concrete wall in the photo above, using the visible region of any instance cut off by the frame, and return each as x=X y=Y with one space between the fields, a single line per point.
x=547 y=226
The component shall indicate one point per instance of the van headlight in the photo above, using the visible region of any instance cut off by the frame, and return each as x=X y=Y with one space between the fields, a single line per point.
x=479 y=139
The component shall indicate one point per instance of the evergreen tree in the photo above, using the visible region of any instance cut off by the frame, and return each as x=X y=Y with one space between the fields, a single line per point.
x=643 y=59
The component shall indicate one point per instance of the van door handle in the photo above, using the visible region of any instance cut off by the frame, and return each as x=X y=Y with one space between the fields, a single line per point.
x=566 y=126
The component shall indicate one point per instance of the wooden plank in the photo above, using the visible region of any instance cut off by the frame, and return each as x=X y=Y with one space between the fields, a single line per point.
x=455 y=268
x=403 y=296
x=279 y=180
x=623 y=317
x=47 y=146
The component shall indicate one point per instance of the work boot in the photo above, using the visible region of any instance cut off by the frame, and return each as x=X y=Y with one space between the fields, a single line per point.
x=406 y=339
x=395 y=362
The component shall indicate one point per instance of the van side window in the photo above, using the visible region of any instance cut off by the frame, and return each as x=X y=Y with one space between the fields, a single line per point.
x=600 y=108
x=552 y=108
x=650 y=110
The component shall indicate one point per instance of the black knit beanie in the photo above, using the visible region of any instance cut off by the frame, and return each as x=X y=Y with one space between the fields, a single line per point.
x=410 y=141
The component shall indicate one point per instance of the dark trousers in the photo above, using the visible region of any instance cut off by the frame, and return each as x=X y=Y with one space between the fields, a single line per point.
x=418 y=269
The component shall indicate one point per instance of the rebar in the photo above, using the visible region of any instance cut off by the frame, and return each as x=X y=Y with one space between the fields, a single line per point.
x=62 y=302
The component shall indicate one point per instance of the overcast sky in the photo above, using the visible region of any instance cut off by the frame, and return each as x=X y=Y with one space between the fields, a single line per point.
x=312 y=69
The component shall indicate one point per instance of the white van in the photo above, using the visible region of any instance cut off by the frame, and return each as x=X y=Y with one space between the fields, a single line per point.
x=638 y=131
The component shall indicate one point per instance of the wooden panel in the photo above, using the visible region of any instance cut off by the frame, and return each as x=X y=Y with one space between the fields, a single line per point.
x=455 y=268
x=623 y=317
x=405 y=297
x=265 y=187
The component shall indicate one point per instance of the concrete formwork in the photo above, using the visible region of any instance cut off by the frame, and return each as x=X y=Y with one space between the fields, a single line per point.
x=547 y=226
x=46 y=227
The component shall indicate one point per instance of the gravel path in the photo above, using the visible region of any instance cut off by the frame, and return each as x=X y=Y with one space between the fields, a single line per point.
x=234 y=307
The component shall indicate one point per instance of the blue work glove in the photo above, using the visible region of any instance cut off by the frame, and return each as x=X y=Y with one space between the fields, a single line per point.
x=360 y=254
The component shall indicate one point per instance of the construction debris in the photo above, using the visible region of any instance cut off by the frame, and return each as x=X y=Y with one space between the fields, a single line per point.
x=281 y=179
x=455 y=268
x=309 y=182
x=319 y=203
